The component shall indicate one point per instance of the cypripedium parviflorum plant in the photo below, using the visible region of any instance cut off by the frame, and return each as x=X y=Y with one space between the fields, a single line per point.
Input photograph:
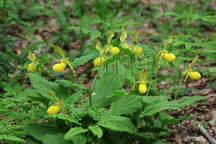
x=32 y=58
x=59 y=67
x=123 y=37
x=119 y=93
x=189 y=72
x=99 y=60
x=170 y=57
x=142 y=82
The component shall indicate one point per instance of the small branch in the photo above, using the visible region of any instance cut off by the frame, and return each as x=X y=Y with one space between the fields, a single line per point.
x=204 y=132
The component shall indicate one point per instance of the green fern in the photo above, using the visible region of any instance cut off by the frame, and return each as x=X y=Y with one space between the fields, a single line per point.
x=11 y=138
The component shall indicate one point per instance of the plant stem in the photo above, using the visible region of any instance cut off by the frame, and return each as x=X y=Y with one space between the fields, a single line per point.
x=4 y=4
x=116 y=66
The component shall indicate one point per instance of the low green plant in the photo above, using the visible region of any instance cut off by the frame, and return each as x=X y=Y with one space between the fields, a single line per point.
x=114 y=110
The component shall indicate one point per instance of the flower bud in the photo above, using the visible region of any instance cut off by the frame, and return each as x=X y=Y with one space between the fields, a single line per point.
x=98 y=61
x=194 y=75
x=142 y=88
x=59 y=67
x=54 y=109
x=31 y=67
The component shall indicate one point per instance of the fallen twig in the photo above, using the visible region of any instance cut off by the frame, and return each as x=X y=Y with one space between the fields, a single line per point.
x=204 y=132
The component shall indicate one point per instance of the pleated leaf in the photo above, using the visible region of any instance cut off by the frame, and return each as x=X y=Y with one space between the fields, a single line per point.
x=96 y=130
x=117 y=123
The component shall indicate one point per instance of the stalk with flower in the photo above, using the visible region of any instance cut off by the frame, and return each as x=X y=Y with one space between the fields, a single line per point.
x=170 y=57
x=112 y=49
x=32 y=58
x=59 y=67
x=190 y=73
x=142 y=82
x=99 y=60
x=123 y=37
x=133 y=48
x=54 y=109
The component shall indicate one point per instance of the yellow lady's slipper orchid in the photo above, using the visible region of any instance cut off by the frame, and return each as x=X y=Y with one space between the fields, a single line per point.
x=59 y=67
x=194 y=75
x=138 y=50
x=114 y=50
x=98 y=61
x=169 y=57
x=54 y=109
x=31 y=67
x=142 y=88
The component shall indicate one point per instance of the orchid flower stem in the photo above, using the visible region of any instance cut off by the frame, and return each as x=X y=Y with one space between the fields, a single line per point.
x=4 y=3
x=116 y=66
x=90 y=100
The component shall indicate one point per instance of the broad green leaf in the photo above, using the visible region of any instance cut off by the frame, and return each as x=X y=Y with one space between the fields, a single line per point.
x=79 y=139
x=167 y=119
x=158 y=106
x=82 y=60
x=126 y=105
x=189 y=100
x=94 y=35
x=50 y=138
x=48 y=134
x=104 y=88
x=117 y=123
x=74 y=132
x=96 y=130
x=127 y=52
x=45 y=87
x=74 y=97
x=108 y=83
x=112 y=59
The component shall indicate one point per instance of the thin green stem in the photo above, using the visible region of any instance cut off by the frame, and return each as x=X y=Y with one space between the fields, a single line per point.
x=90 y=100
x=116 y=66
x=4 y=4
